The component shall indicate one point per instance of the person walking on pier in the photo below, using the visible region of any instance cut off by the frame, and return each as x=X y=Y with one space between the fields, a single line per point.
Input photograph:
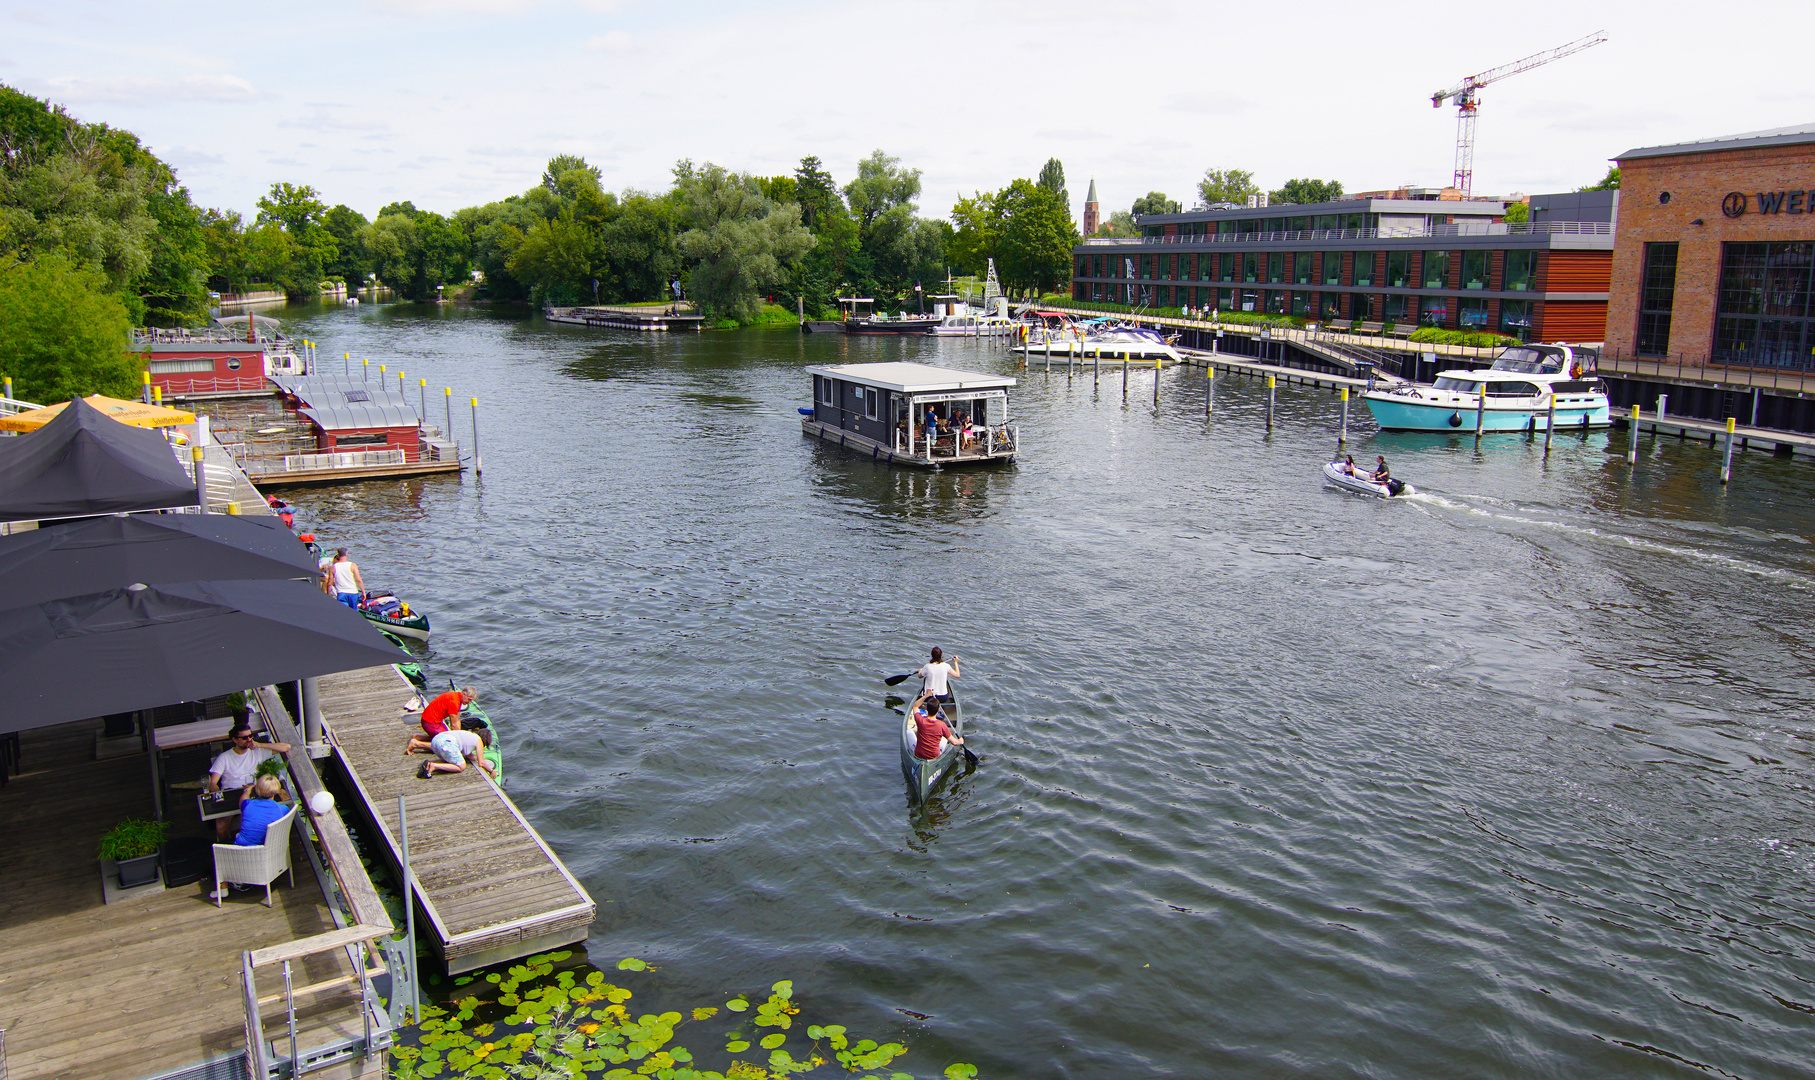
x=349 y=586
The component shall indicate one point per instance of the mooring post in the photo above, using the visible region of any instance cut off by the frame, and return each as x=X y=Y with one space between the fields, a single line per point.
x=145 y=387
x=1156 y=382
x=365 y=370
x=1342 y=436
x=346 y=364
x=1209 y=388
x=1124 y=377
x=1481 y=411
x=422 y=399
x=201 y=476
x=1272 y=382
x=447 y=395
x=477 y=467
x=1550 y=424
x=1726 y=465
x=1096 y=369
x=1632 y=447
x=1755 y=393
x=1662 y=401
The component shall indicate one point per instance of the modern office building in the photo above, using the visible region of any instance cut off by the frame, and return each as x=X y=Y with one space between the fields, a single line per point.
x=1716 y=249
x=1452 y=264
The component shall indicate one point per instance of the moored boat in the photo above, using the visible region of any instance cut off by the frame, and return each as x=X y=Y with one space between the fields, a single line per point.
x=382 y=607
x=923 y=774
x=1516 y=394
x=860 y=318
x=1362 y=485
x=883 y=410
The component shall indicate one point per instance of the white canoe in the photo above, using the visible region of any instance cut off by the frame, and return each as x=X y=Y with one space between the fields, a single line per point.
x=1361 y=485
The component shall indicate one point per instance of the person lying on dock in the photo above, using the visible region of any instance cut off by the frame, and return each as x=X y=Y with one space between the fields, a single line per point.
x=441 y=714
x=932 y=735
x=456 y=749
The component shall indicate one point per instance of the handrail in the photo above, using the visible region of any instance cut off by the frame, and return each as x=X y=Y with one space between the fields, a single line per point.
x=319 y=943
x=1495 y=228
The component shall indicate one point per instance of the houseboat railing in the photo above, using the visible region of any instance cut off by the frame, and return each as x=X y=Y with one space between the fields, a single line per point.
x=348 y=460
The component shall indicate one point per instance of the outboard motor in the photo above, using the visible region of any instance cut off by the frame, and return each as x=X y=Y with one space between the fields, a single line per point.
x=1395 y=487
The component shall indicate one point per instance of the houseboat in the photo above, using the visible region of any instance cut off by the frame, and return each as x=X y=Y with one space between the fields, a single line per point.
x=913 y=414
x=860 y=317
x=233 y=358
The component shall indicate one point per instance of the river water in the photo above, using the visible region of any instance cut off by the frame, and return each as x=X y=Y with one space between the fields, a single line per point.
x=1506 y=779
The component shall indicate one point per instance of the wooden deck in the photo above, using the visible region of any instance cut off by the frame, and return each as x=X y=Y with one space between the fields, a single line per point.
x=489 y=888
x=146 y=984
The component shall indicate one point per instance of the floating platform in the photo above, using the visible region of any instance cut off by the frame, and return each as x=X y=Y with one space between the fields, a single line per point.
x=489 y=889
x=304 y=477
x=626 y=318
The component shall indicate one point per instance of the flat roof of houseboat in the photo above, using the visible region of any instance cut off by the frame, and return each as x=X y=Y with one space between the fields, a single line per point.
x=913 y=378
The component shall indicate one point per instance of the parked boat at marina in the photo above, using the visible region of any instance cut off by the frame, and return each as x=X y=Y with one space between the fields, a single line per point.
x=1102 y=339
x=1515 y=394
x=883 y=409
x=860 y=317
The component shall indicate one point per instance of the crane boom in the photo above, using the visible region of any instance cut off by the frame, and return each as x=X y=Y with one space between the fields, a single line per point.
x=1468 y=102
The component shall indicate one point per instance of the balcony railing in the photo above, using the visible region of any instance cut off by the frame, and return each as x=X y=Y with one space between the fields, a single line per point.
x=1398 y=232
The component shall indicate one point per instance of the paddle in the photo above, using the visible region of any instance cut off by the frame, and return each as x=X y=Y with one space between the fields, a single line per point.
x=897 y=680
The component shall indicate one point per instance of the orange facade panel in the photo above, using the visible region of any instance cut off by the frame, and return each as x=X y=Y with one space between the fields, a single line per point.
x=1579 y=272
x=1572 y=320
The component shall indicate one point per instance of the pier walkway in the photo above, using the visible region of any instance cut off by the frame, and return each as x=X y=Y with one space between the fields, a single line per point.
x=1767 y=440
x=488 y=888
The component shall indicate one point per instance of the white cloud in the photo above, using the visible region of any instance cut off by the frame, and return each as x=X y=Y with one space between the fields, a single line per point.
x=616 y=42
x=133 y=90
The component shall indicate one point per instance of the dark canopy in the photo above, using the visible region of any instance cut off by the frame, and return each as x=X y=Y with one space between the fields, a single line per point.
x=72 y=558
x=144 y=646
x=84 y=462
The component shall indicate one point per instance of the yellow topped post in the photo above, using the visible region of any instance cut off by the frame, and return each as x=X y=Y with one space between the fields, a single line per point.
x=477 y=468
x=145 y=386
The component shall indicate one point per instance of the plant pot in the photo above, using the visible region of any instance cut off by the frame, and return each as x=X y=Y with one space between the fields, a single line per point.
x=140 y=871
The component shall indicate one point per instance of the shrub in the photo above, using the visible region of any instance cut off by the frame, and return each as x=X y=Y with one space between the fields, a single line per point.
x=133 y=838
x=1431 y=335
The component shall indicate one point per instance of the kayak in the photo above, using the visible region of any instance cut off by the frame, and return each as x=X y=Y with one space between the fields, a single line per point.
x=1361 y=485
x=922 y=774
x=383 y=608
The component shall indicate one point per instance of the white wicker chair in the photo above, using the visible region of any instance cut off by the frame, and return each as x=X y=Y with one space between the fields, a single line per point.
x=256 y=865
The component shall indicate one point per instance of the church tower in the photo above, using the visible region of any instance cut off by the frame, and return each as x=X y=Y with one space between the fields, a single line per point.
x=1090 y=210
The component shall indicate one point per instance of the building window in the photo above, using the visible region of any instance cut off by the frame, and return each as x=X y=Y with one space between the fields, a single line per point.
x=1657 y=298
x=1436 y=269
x=1276 y=302
x=1395 y=308
x=1515 y=319
x=1398 y=269
x=1332 y=305
x=1519 y=267
x=1364 y=268
x=1764 y=312
x=1147 y=262
x=1433 y=311
x=1361 y=307
x=1250 y=266
x=1301 y=268
x=1250 y=300
x=1276 y=268
x=1327 y=222
x=1165 y=296
x=1225 y=299
x=1228 y=268
x=1301 y=303
x=1474 y=269
x=1332 y=268
x=1473 y=315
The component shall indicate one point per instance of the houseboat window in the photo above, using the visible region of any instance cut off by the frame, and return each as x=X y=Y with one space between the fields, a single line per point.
x=869 y=404
x=1460 y=386
x=1364 y=268
x=1436 y=269
x=1301 y=268
x=233 y=363
x=1511 y=389
x=178 y=367
x=1518 y=270
x=374 y=439
x=1474 y=269
x=1528 y=361
x=1398 y=268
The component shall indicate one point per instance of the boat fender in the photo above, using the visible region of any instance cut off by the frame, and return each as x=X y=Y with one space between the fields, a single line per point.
x=804 y=412
x=1455 y=419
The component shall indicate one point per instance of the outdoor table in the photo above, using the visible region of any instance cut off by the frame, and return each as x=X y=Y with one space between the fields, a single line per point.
x=177 y=736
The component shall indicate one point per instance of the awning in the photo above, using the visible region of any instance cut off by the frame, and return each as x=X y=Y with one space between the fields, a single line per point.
x=82 y=463
x=131 y=413
x=71 y=558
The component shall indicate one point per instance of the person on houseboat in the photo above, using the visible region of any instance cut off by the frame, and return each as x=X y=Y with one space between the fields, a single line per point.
x=1381 y=473
x=439 y=715
x=235 y=768
x=349 y=586
x=934 y=676
x=932 y=736
x=932 y=427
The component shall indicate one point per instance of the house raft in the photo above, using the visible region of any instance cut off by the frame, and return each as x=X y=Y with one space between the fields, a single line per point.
x=883 y=409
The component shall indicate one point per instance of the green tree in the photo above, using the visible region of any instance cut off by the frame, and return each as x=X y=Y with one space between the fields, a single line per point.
x=1052 y=178
x=638 y=246
x=976 y=233
x=829 y=263
x=1307 y=191
x=1120 y=225
x=1037 y=237
x=1226 y=186
x=737 y=244
x=1518 y=213
x=350 y=264
x=65 y=332
x=299 y=212
x=1155 y=202
x=1610 y=182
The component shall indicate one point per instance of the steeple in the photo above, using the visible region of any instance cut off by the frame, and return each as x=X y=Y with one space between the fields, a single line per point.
x=1091 y=216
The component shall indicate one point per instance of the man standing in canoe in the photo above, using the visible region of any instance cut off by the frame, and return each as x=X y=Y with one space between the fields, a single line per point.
x=931 y=734
x=934 y=675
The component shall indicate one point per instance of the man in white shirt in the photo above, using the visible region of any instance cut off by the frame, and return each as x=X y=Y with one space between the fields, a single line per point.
x=343 y=574
x=934 y=676
x=234 y=770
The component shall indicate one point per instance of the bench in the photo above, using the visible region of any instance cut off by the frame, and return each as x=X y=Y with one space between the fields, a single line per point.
x=1370 y=328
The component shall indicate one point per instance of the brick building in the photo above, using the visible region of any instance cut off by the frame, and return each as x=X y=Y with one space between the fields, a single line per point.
x=1715 y=251
x=1450 y=264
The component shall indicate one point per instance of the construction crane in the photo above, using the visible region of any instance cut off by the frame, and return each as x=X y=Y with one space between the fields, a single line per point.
x=1468 y=103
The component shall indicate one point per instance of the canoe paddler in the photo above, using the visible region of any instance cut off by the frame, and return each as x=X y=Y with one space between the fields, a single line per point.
x=935 y=675
x=932 y=735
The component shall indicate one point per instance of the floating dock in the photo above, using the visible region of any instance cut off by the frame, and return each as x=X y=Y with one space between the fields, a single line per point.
x=626 y=318
x=488 y=889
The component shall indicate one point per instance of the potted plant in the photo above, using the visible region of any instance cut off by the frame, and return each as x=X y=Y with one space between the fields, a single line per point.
x=132 y=846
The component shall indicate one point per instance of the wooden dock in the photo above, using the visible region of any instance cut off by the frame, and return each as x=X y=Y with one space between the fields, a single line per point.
x=305 y=477
x=489 y=889
x=1780 y=443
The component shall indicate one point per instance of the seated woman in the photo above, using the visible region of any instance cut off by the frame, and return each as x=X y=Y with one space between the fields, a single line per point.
x=257 y=813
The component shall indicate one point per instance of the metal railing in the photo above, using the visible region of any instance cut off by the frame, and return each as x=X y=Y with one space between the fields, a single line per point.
x=1785 y=373
x=179 y=386
x=1496 y=228
x=343 y=460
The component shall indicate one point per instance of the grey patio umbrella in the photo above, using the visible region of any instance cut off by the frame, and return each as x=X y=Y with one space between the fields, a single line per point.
x=148 y=645
x=71 y=558
x=85 y=462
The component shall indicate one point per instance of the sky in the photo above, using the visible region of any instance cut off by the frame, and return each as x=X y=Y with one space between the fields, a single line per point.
x=452 y=103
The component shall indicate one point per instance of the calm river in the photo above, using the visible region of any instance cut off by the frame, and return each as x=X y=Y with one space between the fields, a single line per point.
x=1509 y=779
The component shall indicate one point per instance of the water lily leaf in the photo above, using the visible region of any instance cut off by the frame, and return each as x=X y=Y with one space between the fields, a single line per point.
x=704 y=1013
x=737 y=1047
x=737 y=1005
x=957 y=1071
x=770 y=1042
x=784 y=988
x=595 y=978
x=631 y=963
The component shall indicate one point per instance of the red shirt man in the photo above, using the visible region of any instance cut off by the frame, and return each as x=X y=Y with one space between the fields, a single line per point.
x=439 y=715
x=933 y=734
